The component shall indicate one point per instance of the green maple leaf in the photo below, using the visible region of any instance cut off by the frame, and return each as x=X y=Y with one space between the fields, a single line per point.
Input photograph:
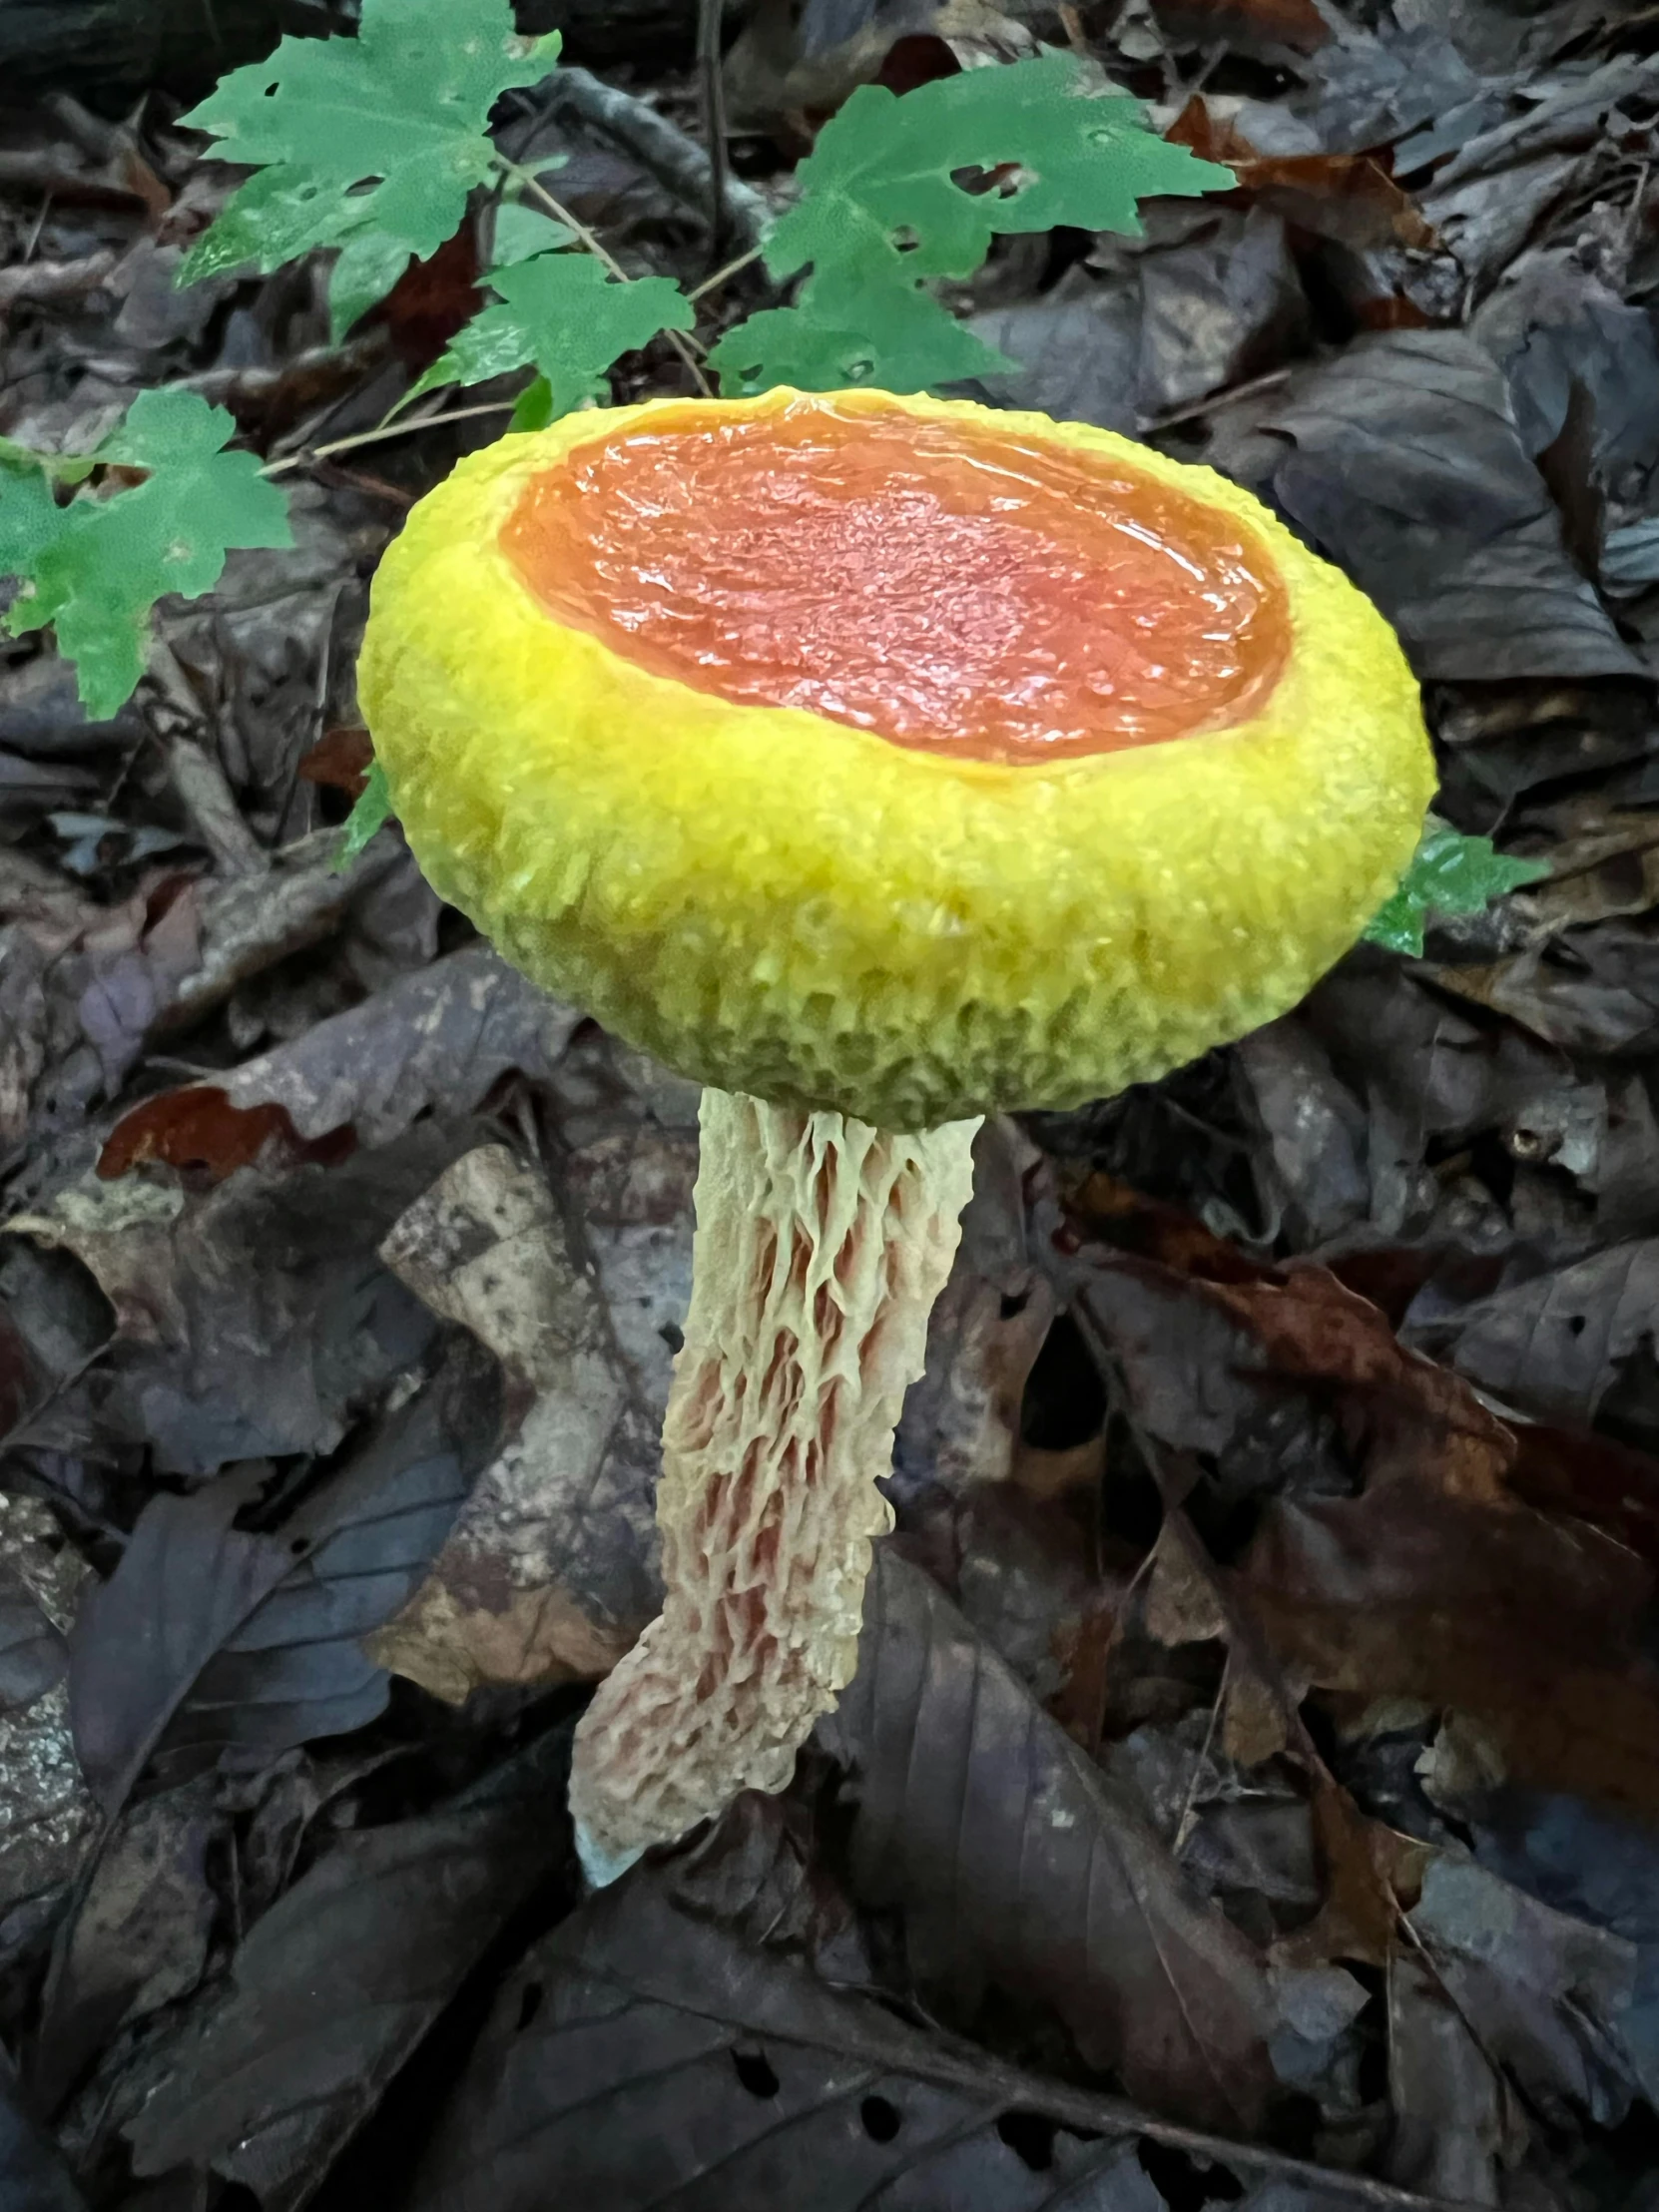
x=1449 y=874
x=370 y=143
x=861 y=328
x=95 y=568
x=880 y=211
x=568 y=315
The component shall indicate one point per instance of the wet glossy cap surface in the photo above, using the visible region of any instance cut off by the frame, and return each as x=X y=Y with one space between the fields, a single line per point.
x=981 y=595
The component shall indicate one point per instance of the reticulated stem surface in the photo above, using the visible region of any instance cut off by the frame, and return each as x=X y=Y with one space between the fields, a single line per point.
x=820 y=1246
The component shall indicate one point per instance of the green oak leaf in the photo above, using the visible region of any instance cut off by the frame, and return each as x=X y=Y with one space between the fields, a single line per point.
x=1449 y=874
x=382 y=135
x=95 y=568
x=565 y=313
x=880 y=209
x=370 y=813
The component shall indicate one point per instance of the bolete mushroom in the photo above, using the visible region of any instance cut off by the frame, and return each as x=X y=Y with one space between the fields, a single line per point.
x=879 y=762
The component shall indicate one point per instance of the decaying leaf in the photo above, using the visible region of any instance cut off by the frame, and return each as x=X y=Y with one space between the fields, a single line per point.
x=643 y=2059
x=1406 y=468
x=1559 y=1345
x=433 y=1041
x=217 y=1358
x=209 y=1636
x=330 y=1996
x=46 y=1810
x=550 y=1571
x=1017 y=1863
x=1543 y=1993
x=1396 y=1559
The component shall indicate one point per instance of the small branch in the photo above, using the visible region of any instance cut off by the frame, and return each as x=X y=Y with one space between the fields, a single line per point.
x=713 y=88
x=661 y=147
x=712 y=283
x=590 y=240
x=383 y=431
x=40 y=281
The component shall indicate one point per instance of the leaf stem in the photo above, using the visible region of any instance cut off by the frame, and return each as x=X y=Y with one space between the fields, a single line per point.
x=528 y=180
x=382 y=430
x=720 y=276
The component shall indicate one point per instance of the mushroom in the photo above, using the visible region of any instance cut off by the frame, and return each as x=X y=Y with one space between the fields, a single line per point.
x=879 y=762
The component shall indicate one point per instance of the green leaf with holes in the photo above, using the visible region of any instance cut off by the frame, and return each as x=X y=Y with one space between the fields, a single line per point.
x=886 y=202
x=1449 y=874
x=95 y=568
x=371 y=142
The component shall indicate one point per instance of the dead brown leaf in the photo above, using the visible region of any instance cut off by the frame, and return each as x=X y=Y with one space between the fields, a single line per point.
x=1349 y=197
x=549 y=1572
x=1017 y=1863
x=1433 y=1581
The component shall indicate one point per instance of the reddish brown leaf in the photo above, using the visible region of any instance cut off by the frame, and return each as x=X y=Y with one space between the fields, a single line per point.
x=1437 y=1582
x=1346 y=196
x=340 y=758
x=198 y=1127
x=433 y=299
x=1573 y=1471
x=1244 y=25
x=1531 y=1623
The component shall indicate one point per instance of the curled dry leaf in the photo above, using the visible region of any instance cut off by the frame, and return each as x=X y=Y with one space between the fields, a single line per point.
x=1560 y=1344
x=135 y=1936
x=1544 y=1993
x=1432 y=1579
x=1451 y=2108
x=1349 y=197
x=550 y=1571
x=216 y=1358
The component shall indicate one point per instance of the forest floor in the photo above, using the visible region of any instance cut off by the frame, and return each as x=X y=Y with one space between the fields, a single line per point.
x=1249 y=1791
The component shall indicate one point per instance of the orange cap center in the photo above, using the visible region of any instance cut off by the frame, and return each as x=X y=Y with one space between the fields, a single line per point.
x=963 y=592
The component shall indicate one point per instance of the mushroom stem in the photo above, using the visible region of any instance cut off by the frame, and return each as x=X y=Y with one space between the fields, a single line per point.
x=821 y=1244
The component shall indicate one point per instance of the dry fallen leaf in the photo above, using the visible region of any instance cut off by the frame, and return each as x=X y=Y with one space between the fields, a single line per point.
x=549 y=1572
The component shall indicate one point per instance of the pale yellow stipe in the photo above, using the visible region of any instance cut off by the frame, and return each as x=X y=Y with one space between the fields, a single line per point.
x=783 y=905
x=821 y=1247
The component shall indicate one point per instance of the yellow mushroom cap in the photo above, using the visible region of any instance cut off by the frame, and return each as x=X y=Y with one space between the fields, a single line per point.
x=786 y=904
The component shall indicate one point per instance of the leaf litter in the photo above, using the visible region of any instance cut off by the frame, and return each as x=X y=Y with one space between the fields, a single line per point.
x=1248 y=1790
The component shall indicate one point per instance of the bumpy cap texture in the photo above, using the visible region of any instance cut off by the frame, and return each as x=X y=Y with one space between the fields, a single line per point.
x=793 y=902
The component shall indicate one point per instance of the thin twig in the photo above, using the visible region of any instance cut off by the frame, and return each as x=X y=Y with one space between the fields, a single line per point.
x=661 y=147
x=711 y=283
x=711 y=84
x=593 y=243
x=1184 y=1826
x=590 y=240
x=383 y=431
